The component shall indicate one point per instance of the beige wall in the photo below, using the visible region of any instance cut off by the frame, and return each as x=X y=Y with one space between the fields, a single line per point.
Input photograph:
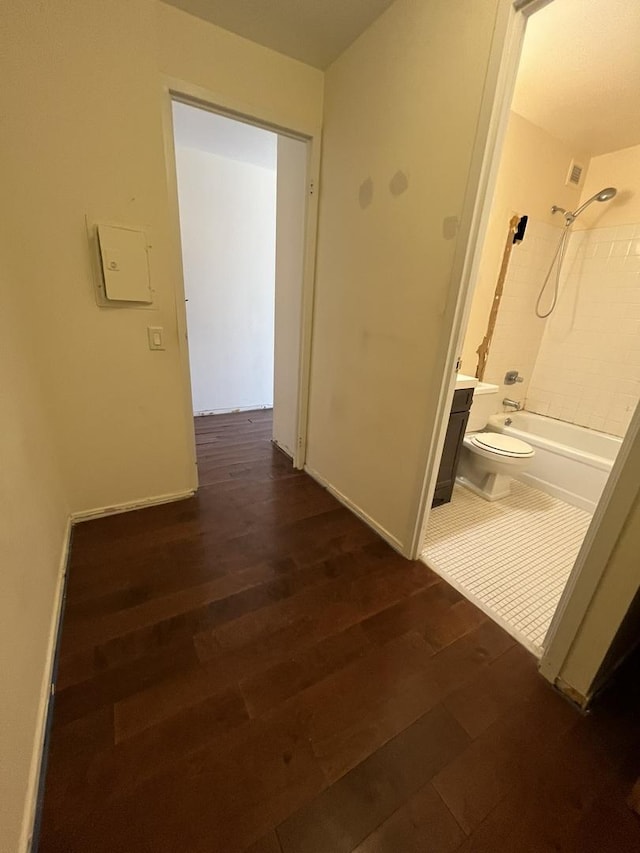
x=82 y=109
x=33 y=520
x=402 y=107
x=82 y=115
x=531 y=177
x=268 y=84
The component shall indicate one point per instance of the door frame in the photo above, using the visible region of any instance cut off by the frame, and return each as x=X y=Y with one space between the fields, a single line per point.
x=621 y=489
x=197 y=96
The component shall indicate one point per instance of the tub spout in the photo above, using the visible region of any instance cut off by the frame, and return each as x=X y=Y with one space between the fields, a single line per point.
x=511 y=404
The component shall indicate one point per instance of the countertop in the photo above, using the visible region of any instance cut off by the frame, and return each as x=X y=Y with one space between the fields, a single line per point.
x=464 y=381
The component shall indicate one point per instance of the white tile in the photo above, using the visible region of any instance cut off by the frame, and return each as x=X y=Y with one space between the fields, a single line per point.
x=512 y=557
x=625 y=232
x=621 y=248
x=589 y=343
x=607 y=235
x=603 y=250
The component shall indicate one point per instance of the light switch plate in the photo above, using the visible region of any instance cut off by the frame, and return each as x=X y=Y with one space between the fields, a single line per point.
x=155 y=335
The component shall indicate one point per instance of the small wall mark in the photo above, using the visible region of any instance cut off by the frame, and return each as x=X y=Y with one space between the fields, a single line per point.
x=365 y=194
x=399 y=183
x=450 y=227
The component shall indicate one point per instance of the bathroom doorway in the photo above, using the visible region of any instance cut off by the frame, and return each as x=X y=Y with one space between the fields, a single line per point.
x=552 y=359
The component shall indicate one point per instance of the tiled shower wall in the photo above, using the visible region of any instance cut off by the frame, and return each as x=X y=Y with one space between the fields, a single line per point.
x=518 y=332
x=587 y=369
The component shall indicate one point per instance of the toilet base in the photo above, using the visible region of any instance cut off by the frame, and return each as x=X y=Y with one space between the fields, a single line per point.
x=492 y=487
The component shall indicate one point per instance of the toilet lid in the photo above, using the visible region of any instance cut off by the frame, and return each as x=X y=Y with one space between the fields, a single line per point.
x=503 y=444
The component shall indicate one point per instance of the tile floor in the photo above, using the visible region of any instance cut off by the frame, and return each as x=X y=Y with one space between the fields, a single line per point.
x=512 y=558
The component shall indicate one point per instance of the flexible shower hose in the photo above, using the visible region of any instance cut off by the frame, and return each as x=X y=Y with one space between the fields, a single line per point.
x=559 y=256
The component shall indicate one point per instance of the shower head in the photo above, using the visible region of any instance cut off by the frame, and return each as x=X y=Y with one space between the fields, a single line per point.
x=604 y=195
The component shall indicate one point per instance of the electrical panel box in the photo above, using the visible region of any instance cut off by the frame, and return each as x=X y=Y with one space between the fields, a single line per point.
x=125 y=264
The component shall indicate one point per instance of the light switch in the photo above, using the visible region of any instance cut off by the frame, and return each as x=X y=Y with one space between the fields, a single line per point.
x=156 y=337
x=125 y=267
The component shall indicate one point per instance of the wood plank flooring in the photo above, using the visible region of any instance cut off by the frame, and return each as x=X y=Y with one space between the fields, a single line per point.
x=253 y=669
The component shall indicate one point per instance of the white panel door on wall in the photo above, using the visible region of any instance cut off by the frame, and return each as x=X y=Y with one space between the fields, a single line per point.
x=290 y=226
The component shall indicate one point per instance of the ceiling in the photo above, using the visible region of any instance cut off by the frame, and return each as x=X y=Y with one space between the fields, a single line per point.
x=579 y=75
x=313 y=31
x=226 y=137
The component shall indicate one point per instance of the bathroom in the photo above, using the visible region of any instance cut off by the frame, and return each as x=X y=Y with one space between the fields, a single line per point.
x=553 y=358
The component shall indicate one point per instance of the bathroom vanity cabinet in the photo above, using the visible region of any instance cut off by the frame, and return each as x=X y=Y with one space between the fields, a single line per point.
x=458 y=418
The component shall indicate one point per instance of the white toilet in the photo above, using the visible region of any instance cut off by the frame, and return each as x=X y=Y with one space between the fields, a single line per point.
x=489 y=460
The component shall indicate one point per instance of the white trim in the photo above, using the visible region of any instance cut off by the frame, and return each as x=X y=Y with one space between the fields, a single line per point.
x=529 y=6
x=250 y=113
x=611 y=513
x=33 y=785
x=482 y=605
x=116 y=509
x=258 y=116
x=265 y=407
x=314 y=146
x=498 y=93
x=178 y=277
x=345 y=501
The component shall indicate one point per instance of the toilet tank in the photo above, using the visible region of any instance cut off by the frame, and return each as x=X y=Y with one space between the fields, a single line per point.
x=485 y=403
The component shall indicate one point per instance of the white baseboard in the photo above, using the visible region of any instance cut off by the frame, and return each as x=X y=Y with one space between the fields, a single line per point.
x=26 y=836
x=101 y=512
x=356 y=510
x=288 y=453
x=257 y=407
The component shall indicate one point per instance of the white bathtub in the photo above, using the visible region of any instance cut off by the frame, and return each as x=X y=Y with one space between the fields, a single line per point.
x=571 y=462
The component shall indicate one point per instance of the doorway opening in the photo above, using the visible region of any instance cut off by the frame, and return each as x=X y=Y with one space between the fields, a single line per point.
x=242 y=201
x=550 y=374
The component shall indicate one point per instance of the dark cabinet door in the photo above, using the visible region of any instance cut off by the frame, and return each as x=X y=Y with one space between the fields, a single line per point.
x=450 y=456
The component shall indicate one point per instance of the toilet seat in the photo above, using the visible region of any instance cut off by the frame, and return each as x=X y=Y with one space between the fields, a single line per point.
x=501 y=445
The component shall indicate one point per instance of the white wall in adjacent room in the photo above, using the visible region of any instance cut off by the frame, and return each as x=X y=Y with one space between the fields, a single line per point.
x=228 y=230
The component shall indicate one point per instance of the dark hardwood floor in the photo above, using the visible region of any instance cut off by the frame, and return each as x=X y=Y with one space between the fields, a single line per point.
x=253 y=669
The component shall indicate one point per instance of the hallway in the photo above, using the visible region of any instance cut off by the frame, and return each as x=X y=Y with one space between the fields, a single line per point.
x=254 y=669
